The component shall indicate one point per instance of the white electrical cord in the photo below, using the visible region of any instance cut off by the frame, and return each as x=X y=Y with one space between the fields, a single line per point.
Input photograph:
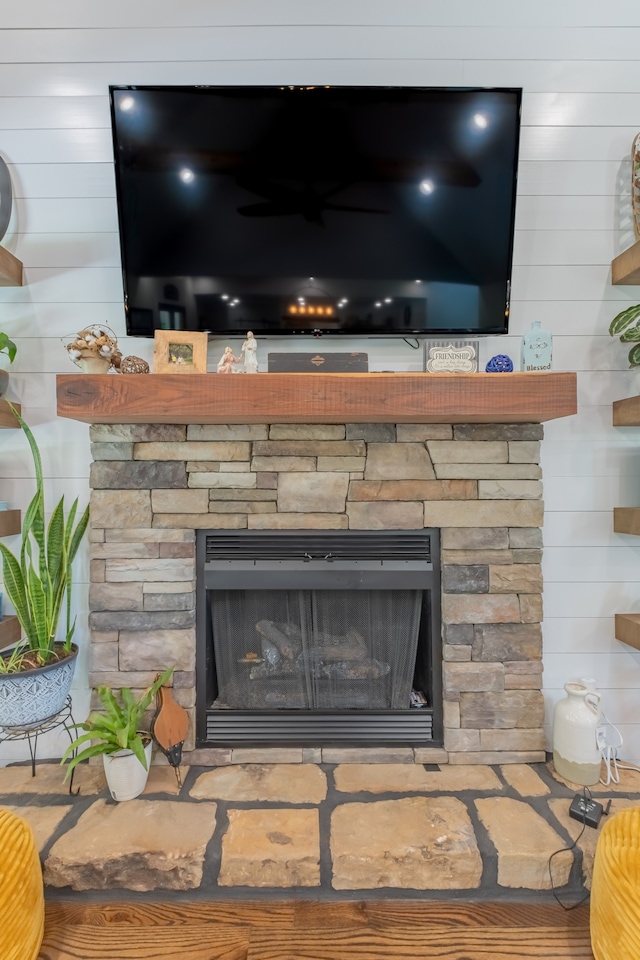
x=609 y=740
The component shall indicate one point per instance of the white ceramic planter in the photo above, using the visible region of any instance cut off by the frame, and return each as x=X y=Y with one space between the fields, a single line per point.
x=126 y=777
x=94 y=364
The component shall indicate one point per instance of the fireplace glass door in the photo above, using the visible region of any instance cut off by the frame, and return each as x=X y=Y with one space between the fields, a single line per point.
x=315 y=635
x=315 y=649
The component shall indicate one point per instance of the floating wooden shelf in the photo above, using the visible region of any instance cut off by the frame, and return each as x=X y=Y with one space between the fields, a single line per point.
x=626 y=413
x=628 y=628
x=10 y=631
x=7 y=419
x=318 y=398
x=625 y=269
x=626 y=520
x=9 y=523
x=10 y=269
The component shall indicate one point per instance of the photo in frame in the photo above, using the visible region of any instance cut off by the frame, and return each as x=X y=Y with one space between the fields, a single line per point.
x=179 y=351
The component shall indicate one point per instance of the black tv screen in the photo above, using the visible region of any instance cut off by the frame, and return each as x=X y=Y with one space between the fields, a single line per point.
x=375 y=211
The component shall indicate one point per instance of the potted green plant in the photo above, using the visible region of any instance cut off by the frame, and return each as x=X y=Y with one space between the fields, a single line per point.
x=36 y=675
x=626 y=325
x=115 y=735
x=8 y=352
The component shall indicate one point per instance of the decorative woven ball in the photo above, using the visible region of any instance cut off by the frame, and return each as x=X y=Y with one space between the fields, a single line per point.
x=501 y=363
x=133 y=365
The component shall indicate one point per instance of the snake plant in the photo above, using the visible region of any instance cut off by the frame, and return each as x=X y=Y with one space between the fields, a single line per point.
x=38 y=580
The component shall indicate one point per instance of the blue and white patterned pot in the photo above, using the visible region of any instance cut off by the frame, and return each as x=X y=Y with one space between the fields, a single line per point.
x=29 y=698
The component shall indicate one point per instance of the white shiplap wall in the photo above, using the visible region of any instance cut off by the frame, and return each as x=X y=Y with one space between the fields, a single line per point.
x=579 y=67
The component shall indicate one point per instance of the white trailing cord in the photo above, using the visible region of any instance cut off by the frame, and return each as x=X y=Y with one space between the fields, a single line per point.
x=609 y=740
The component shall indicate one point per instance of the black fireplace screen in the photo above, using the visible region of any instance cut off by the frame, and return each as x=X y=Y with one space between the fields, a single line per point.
x=318 y=637
x=315 y=649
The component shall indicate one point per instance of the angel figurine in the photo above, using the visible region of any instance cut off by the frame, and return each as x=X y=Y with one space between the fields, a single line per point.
x=250 y=353
x=226 y=361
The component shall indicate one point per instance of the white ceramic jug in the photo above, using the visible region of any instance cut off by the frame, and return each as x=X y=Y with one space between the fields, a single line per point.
x=576 y=756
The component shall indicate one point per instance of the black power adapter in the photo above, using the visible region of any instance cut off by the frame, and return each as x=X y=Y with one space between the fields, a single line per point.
x=586 y=811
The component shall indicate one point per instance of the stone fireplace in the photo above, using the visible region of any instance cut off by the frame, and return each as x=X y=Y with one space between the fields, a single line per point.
x=479 y=484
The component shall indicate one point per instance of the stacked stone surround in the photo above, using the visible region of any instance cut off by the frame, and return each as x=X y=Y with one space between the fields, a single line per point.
x=154 y=485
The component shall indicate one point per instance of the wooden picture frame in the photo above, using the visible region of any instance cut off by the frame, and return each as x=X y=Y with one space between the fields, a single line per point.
x=179 y=351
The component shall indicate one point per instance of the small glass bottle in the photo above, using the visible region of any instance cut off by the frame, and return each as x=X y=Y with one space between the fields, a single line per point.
x=536 y=349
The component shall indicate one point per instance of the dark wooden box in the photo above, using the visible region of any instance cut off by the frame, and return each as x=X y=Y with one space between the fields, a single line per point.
x=318 y=362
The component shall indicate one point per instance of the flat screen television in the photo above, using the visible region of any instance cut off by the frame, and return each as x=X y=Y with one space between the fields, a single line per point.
x=366 y=211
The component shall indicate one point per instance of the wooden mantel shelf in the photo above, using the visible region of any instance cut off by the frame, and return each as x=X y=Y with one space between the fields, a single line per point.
x=317 y=398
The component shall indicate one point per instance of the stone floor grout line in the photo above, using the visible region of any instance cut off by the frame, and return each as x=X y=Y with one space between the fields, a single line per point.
x=487 y=848
x=213 y=852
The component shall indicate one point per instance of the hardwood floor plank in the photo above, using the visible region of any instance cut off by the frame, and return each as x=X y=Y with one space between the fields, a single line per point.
x=496 y=943
x=314 y=914
x=245 y=913
x=307 y=930
x=379 y=913
x=296 y=913
x=193 y=942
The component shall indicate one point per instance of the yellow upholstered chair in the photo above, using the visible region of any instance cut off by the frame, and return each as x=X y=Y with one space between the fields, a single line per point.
x=21 y=890
x=615 y=889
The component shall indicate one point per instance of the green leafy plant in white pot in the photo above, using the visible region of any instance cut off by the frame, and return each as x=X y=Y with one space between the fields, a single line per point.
x=626 y=325
x=36 y=674
x=115 y=734
x=8 y=352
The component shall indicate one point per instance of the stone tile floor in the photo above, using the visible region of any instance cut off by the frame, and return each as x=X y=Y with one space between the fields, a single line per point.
x=320 y=831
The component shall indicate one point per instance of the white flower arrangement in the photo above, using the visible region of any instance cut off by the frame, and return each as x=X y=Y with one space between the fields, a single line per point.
x=97 y=342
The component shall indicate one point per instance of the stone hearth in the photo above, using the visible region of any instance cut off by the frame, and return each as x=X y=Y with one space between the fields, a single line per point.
x=154 y=485
x=344 y=832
